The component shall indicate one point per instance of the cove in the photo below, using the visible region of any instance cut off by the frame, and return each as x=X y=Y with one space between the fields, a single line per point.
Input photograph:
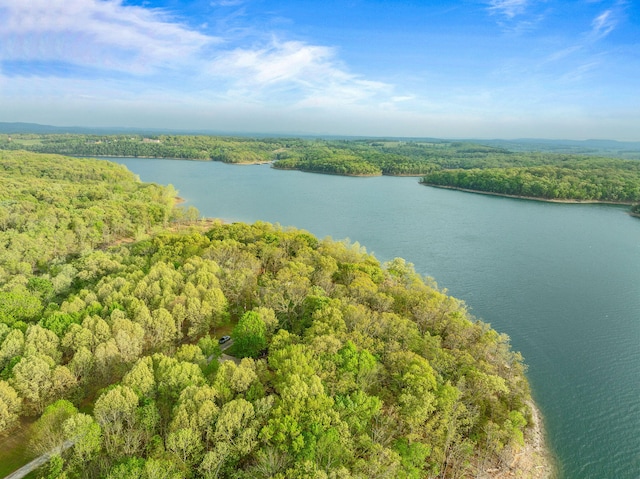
x=563 y=281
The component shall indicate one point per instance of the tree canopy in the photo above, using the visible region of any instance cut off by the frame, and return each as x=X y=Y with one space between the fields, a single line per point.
x=346 y=367
x=616 y=181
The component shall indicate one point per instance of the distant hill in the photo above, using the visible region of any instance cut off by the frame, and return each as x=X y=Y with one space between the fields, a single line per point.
x=629 y=150
x=29 y=128
x=619 y=149
x=35 y=128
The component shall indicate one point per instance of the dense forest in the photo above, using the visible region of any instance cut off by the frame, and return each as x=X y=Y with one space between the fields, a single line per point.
x=464 y=165
x=111 y=307
x=345 y=157
x=616 y=181
x=229 y=150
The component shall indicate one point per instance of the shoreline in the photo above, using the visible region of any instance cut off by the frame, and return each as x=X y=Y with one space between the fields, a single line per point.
x=106 y=157
x=326 y=172
x=532 y=198
x=407 y=175
x=534 y=460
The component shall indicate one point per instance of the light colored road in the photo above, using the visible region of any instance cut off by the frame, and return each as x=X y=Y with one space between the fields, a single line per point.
x=225 y=357
x=38 y=461
x=227 y=345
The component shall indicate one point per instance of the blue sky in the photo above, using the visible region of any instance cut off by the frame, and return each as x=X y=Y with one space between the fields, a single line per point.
x=465 y=69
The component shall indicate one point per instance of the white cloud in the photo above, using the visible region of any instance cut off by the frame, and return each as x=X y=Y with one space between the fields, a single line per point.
x=278 y=62
x=517 y=17
x=307 y=74
x=227 y=3
x=580 y=71
x=508 y=8
x=563 y=53
x=105 y=39
x=94 y=33
x=584 y=57
x=603 y=24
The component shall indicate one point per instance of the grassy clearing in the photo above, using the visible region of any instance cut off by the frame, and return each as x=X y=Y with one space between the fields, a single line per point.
x=14 y=452
x=27 y=142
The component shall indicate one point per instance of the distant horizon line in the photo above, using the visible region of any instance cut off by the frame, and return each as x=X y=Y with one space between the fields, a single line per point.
x=20 y=127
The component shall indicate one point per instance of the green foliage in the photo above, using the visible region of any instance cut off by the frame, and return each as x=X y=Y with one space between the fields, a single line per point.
x=249 y=335
x=10 y=406
x=485 y=168
x=209 y=347
x=18 y=305
x=53 y=207
x=371 y=371
x=412 y=456
x=58 y=322
x=54 y=467
x=574 y=178
x=48 y=433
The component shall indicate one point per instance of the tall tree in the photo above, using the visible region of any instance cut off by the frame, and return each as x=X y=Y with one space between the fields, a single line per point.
x=249 y=335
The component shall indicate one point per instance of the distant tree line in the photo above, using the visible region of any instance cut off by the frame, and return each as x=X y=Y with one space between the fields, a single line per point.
x=228 y=150
x=607 y=180
x=477 y=167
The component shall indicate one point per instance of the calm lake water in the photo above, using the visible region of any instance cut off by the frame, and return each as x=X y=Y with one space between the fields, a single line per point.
x=563 y=281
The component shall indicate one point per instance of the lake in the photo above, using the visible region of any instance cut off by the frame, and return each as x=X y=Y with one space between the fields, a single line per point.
x=563 y=281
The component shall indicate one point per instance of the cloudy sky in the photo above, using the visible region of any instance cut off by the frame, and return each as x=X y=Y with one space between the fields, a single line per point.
x=449 y=69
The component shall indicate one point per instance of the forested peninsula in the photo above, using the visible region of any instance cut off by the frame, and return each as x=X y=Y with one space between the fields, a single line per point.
x=461 y=165
x=112 y=301
x=574 y=180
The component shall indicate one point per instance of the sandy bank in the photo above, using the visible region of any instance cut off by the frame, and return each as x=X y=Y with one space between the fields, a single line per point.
x=533 y=461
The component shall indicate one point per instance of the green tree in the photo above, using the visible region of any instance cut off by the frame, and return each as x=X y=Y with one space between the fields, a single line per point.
x=197 y=410
x=32 y=379
x=249 y=335
x=115 y=412
x=11 y=347
x=48 y=433
x=10 y=407
x=173 y=376
x=86 y=434
x=141 y=378
x=185 y=444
